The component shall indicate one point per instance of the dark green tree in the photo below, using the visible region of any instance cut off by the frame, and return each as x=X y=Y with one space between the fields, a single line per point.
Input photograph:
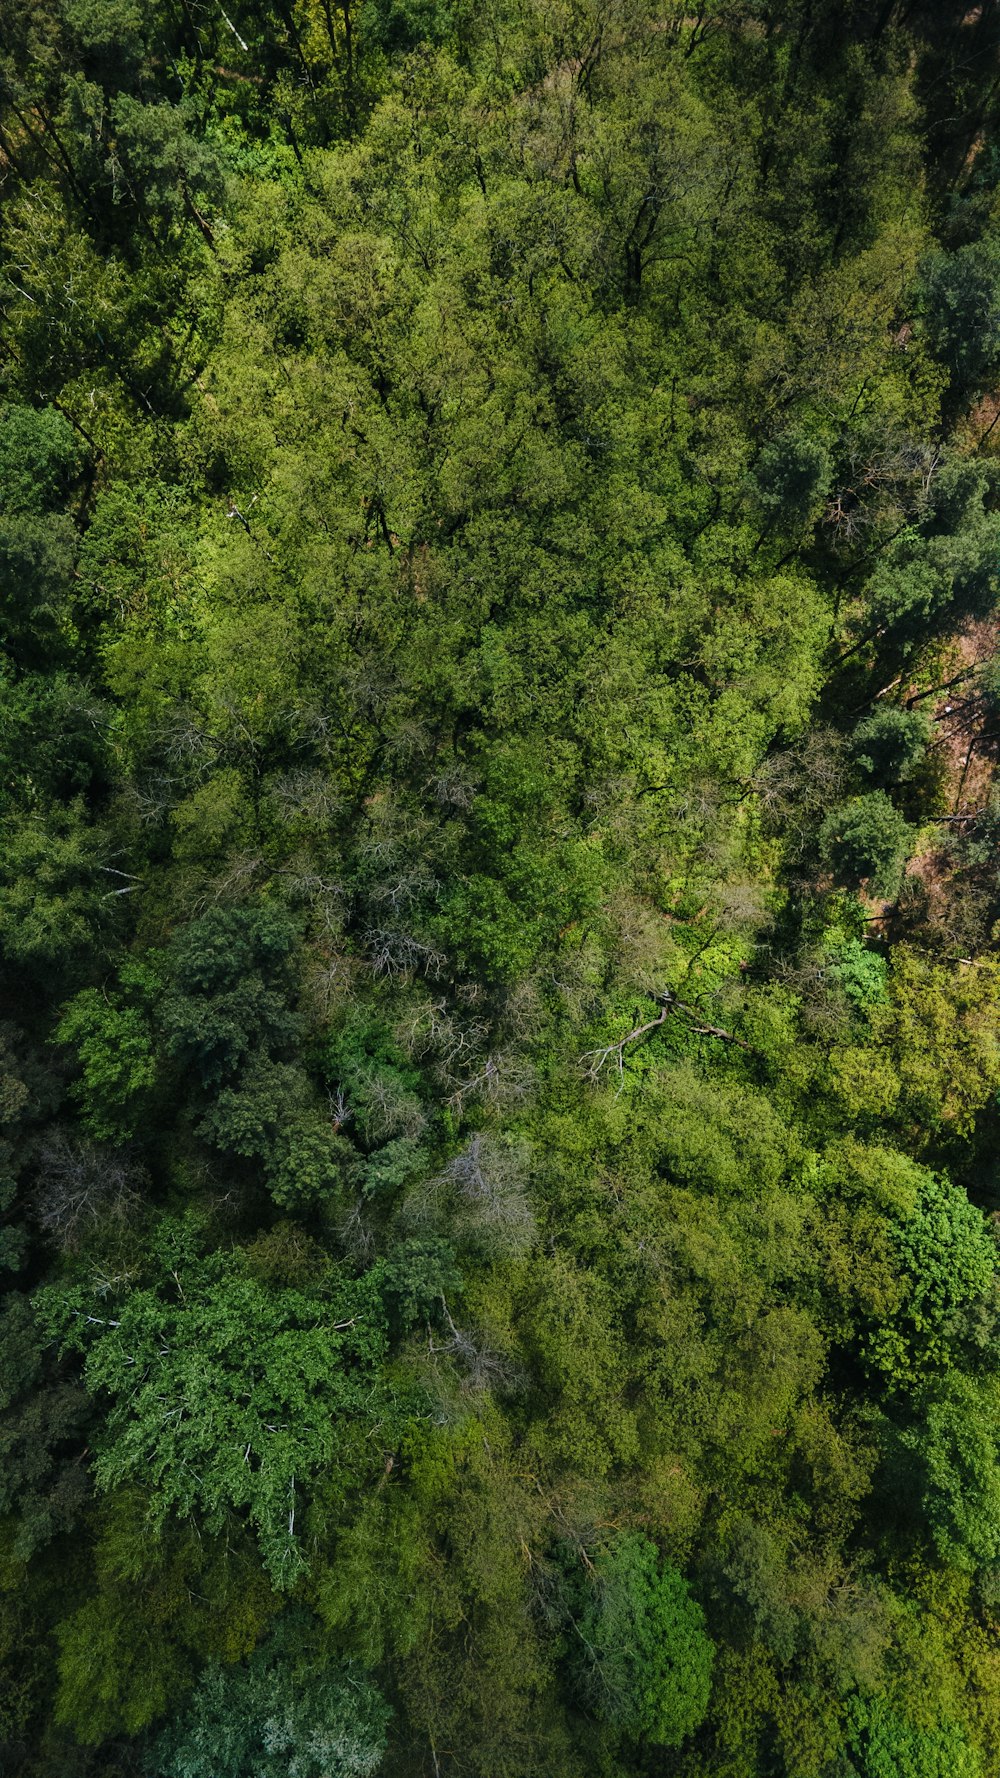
x=866 y=841
x=292 y=1711
x=960 y=300
x=888 y=746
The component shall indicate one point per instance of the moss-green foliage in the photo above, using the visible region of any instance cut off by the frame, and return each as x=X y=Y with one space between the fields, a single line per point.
x=499 y=996
x=196 y=1598
x=884 y=1744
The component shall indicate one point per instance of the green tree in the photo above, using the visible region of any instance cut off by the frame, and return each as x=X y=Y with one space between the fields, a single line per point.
x=196 y=1597
x=115 y=1043
x=38 y=458
x=947 y=1258
x=38 y=540
x=949 y=1466
x=790 y=475
x=230 y=991
x=960 y=297
x=887 y=1746
x=934 y=1060
x=52 y=895
x=42 y=1413
x=643 y=1651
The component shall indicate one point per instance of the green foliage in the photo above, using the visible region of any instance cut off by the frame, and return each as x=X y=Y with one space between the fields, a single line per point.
x=230 y=986
x=169 y=170
x=947 y=1260
x=397 y=25
x=229 y=1020
x=42 y=1413
x=887 y=1746
x=645 y=1655
x=50 y=739
x=114 y=1041
x=858 y=971
x=934 y=1060
x=37 y=544
x=478 y=1144
x=790 y=474
x=38 y=457
x=51 y=896
x=961 y=302
x=952 y=1454
x=196 y=1597
x=112 y=1681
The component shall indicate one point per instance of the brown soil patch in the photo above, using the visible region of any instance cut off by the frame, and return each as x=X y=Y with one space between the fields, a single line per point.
x=933 y=870
x=968 y=773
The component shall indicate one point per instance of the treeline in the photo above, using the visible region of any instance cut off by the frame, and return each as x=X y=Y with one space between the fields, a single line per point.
x=499 y=894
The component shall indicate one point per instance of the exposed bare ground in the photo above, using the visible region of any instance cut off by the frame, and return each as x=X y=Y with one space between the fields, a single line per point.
x=967 y=772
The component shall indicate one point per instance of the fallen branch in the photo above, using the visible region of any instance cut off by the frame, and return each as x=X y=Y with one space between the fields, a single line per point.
x=946 y=685
x=599 y=1057
x=669 y=1004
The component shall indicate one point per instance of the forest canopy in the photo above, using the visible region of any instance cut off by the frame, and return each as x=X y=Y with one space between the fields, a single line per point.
x=499 y=889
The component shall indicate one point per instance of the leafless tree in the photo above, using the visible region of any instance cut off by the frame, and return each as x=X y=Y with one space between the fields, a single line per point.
x=596 y=1060
x=305 y=797
x=453 y=787
x=356 y=1234
x=504 y=1078
x=402 y=887
x=331 y=975
x=480 y=1365
x=384 y=1108
x=396 y=952
x=432 y=1031
x=79 y=1184
x=488 y=1180
x=797 y=786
